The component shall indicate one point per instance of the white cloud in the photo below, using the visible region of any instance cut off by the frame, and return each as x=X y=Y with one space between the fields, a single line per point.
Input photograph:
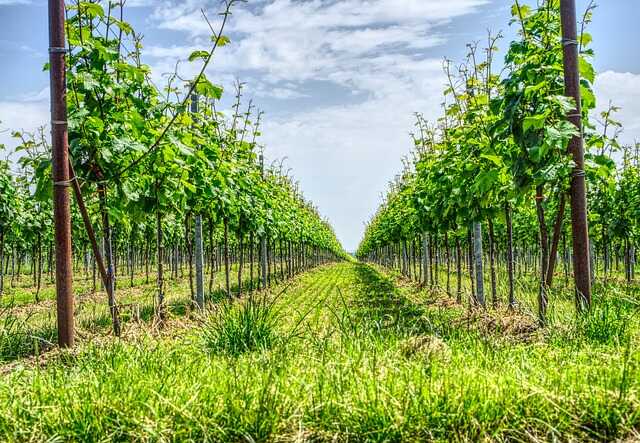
x=622 y=89
x=139 y=3
x=278 y=93
x=14 y=2
x=26 y=114
x=41 y=96
x=314 y=14
x=286 y=40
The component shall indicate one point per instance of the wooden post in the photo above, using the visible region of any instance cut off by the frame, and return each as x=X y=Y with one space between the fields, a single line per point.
x=580 y=230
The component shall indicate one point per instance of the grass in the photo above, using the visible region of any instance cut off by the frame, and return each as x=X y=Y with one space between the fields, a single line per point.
x=235 y=329
x=18 y=338
x=610 y=319
x=22 y=291
x=344 y=353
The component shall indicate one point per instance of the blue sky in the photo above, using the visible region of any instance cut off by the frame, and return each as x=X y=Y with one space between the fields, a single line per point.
x=339 y=79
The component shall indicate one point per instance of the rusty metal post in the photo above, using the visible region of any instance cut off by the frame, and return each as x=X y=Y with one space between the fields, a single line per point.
x=60 y=163
x=579 y=224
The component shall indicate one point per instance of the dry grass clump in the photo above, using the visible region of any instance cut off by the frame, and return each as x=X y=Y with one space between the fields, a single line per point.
x=428 y=348
x=507 y=324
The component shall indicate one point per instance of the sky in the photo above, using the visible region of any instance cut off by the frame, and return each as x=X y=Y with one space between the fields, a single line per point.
x=339 y=80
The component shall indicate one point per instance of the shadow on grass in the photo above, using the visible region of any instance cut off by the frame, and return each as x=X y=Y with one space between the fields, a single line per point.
x=19 y=340
x=378 y=303
x=381 y=304
x=178 y=308
x=216 y=296
x=219 y=294
x=96 y=322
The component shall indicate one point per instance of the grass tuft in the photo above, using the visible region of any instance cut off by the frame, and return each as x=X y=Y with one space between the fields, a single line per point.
x=607 y=322
x=236 y=328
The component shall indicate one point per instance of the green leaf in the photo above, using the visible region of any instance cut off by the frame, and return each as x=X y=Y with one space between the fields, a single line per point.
x=208 y=89
x=586 y=70
x=496 y=160
x=585 y=39
x=534 y=122
x=567 y=104
x=92 y=9
x=485 y=180
x=588 y=97
x=87 y=81
x=123 y=26
x=223 y=40
x=523 y=11
x=196 y=55
x=190 y=187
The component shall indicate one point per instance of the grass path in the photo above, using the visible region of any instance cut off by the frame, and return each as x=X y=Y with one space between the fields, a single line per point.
x=341 y=353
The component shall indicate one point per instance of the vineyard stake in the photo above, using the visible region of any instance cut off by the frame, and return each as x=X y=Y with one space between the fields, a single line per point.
x=199 y=258
x=263 y=241
x=477 y=250
x=580 y=231
x=60 y=174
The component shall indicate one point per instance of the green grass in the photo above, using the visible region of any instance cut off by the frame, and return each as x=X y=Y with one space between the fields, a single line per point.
x=342 y=353
x=22 y=291
x=19 y=338
x=234 y=329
